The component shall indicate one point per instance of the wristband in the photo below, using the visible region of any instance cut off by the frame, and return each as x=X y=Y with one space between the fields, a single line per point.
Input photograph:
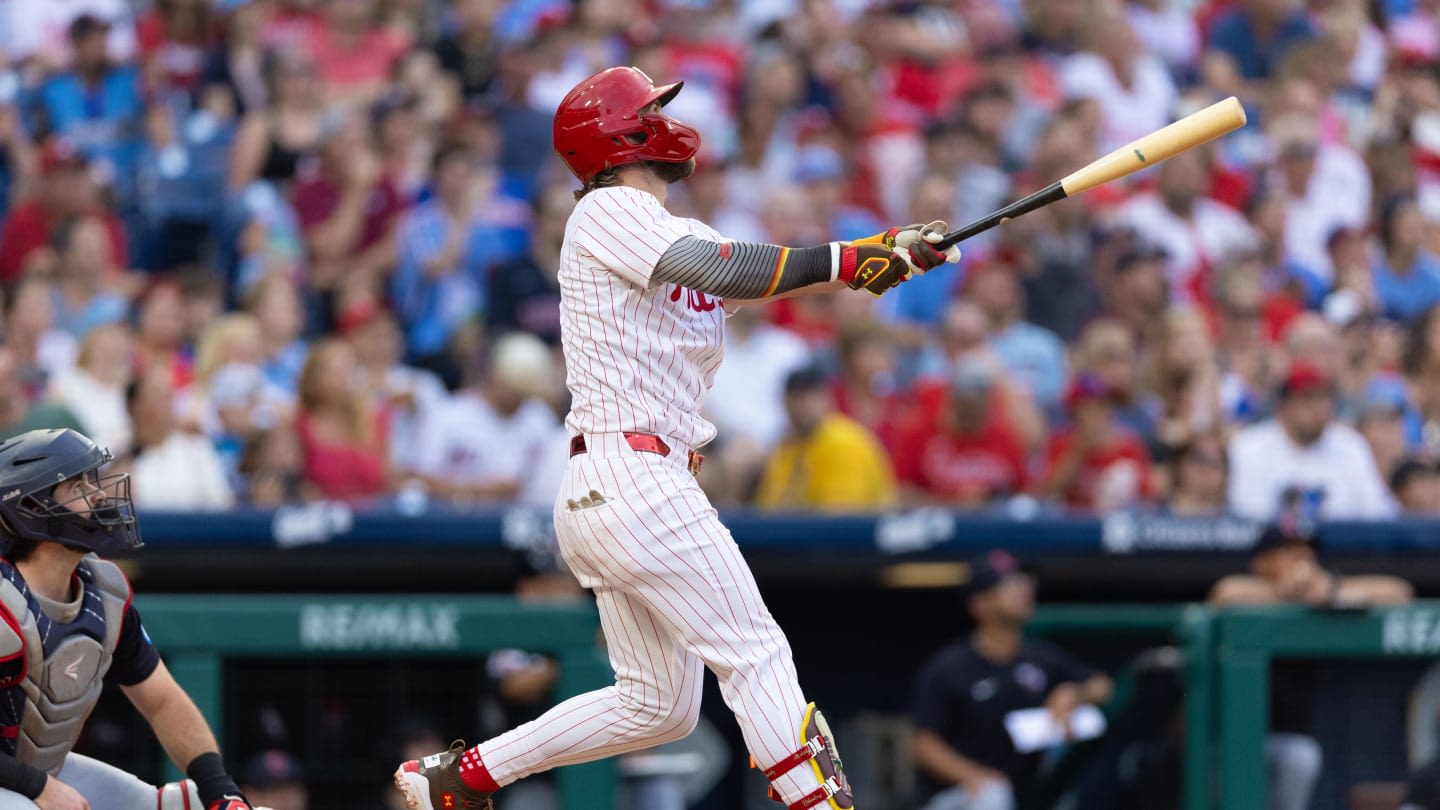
x=21 y=777
x=211 y=780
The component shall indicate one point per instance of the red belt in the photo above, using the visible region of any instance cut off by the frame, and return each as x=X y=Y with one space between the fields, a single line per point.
x=644 y=443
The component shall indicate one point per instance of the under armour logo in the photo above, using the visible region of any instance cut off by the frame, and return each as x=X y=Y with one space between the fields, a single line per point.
x=72 y=670
x=447 y=801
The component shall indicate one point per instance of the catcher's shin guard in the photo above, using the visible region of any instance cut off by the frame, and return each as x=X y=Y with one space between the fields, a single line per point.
x=817 y=749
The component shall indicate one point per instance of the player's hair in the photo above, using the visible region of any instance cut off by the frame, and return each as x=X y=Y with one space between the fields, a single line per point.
x=605 y=179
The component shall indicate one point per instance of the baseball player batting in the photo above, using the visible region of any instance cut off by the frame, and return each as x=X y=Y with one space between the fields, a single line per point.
x=643 y=301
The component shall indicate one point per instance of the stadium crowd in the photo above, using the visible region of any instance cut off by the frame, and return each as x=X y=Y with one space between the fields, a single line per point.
x=278 y=250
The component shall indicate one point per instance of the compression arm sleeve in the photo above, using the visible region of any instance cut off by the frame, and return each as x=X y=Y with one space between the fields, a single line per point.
x=27 y=780
x=744 y=270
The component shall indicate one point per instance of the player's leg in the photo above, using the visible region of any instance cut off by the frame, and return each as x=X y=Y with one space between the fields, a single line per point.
x=107 y=787
x=668 y=546
x=655 y=699
x=10 y=800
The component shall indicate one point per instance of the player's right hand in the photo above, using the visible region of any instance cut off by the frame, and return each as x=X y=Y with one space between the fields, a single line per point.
x=59 y=796
x=871 y=267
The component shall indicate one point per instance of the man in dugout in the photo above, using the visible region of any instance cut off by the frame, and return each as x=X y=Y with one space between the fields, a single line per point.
x=67 y=626
x=966 y=757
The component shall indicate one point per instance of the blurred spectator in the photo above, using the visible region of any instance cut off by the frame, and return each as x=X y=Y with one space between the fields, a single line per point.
x=66 y=191
x=821 y=172
x=482 y=443
x=966 y=454
x=36 y=30
x=1244 y=351
x=1195 y=231
x=1304 y=450
x=1416 y=487
x=746 y=402
x=1328 y=187
x=964 y=693
x=41 y=351
x=237 y=64
x=1106 y=349
x=1136 y=289
x=1184 y=378
x=273 y=468
x=348 y=210
x=447 y=245
x=171 y=469
x=160 y=333
x=1095 y=463
x=229 y=394
x=1407 y=275
x=962 y=336
x=343 y=440
x=18 y=412
x=270 y=242
x=470 y=52
x=96 y=103
x=179 y=165
x=1246 y=42
x=1167 y=30
x=275 y=140
x=406 y=146
x=1197 y=473
x=173 y=37
x=86 y=293
x=1269 y=213
x=275 y=303
x=524 y=293
x=865 y=390
x=1031 y=355
x=404 y=393
x=826 y=461
x=94 y=390
x=1285 y=570
x=1311 y=340
x=1380 y=419
x=17 y=154
x=352 y=51
x=1132 y=86
x=274 y=779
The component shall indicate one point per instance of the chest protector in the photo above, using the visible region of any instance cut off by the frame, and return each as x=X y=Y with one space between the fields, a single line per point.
x=51 y=673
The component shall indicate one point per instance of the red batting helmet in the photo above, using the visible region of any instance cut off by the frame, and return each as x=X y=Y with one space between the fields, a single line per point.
x=598 y=125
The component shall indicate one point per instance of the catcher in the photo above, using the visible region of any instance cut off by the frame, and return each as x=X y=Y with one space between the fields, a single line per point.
x=67 y=625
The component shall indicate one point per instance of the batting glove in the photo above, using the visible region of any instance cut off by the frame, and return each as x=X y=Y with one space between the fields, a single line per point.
x=871 y=267
x=915 y=243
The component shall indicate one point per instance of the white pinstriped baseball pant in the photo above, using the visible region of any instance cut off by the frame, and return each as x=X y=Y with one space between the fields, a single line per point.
x=675 y=595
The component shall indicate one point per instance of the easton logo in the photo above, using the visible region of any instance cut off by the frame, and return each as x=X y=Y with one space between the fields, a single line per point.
x=72 y=670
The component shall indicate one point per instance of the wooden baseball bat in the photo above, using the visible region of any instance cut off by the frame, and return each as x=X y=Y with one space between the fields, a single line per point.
x=1191 y=131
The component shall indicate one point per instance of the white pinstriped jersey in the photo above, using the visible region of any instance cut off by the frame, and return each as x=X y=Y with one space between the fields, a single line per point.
x=638 y=356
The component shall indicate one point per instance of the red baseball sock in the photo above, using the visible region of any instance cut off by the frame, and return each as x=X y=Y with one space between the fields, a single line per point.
x=474 y=773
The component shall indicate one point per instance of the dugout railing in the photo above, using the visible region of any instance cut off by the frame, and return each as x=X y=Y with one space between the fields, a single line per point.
x=1227 y=654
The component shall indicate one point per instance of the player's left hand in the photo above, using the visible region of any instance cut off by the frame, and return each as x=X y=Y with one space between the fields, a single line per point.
x=915 y=244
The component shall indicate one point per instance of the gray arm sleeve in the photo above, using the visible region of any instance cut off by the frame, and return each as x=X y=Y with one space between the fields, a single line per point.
x=741 y=270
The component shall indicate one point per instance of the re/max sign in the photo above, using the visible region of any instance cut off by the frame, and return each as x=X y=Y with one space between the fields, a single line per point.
x=350 y=626
x=1411 y=632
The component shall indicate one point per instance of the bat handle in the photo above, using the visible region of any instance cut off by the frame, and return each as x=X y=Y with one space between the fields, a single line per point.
x=1051 y=193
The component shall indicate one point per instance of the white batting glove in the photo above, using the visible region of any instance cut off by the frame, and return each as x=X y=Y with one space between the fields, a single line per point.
x=922 y=257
